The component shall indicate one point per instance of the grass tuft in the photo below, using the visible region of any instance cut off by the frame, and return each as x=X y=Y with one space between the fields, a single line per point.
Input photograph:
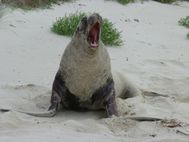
x=67 y=25
x=184 y=21
x=187 y=35
x=124 y=2
x=29 y=4
x=110 y=35
x=165 y=1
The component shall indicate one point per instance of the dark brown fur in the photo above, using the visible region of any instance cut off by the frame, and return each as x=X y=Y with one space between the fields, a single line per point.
x=104 y=97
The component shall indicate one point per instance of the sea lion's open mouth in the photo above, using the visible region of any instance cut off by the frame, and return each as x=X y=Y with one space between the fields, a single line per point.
x=93 y=37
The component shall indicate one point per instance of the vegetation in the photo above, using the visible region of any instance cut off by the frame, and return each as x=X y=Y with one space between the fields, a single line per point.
x=124 y=2
x=184 y=21
x=187 y=36
x=110 y=35
x=28 y=4
x=1 y=11
x=67 y=25
x=165 y=1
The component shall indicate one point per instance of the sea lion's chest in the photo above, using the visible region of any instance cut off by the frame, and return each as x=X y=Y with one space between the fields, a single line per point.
x=84 y=75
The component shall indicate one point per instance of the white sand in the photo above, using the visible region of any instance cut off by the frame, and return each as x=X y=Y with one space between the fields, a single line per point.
x=155 y=57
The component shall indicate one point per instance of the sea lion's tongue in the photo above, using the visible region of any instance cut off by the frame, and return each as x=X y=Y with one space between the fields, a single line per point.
x=94 y=44
x=94 y=34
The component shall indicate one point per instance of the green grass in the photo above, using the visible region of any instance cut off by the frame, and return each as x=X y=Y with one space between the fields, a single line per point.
x=1 y=11
x=184 y=21
x=67 y=25
x=187 y=35
x=110 y=35
x=29 y=4
x=124 y=2
x=165 y=1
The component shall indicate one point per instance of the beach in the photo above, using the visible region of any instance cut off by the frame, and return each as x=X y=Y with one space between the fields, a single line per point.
x=154 y=57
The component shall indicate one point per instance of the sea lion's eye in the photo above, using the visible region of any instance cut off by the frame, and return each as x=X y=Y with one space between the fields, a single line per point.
x=84 y=20
x=91 y=20
x=82 y=26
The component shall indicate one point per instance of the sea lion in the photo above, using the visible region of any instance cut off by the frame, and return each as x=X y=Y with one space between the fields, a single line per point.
x=84 y=79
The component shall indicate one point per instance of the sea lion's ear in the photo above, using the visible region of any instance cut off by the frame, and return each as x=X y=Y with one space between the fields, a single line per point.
x=82 y=26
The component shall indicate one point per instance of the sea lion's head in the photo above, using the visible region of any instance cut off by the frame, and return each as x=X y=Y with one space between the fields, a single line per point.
x=89 y=30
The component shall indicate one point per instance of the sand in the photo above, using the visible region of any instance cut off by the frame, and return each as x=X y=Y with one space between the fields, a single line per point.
x=155 y=57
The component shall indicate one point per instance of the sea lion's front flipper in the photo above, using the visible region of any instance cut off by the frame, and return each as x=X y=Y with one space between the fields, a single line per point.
x=111 y=106
x=49 y=113
x=58 y=91
x=55 y=101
